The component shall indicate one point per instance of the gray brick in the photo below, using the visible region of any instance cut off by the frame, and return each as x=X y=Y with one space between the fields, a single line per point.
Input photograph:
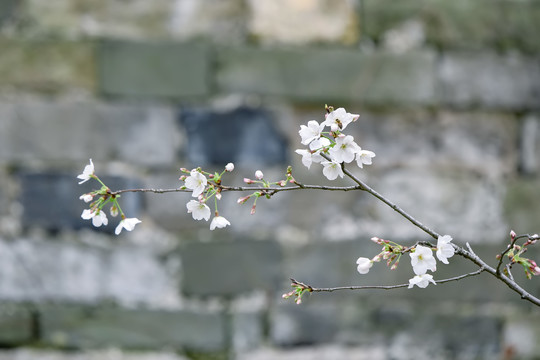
x=78 y=130
x=489 y=80
x=16 y=325
x=228 y=268
x=170 y=70
x=244 y=136
x=47 y=66
x=51 y=200
x=459 y=24
x=248 y=331
x=75 y=327
x=329 y=75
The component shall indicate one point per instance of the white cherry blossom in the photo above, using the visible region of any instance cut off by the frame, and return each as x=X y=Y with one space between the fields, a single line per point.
x=196 y=182
x=98 y=217
x=339 y=119
x=332 y=170
x=364 y=264
x=127 y=223
x=86 y=197
x=422 y=281
x=345 y=149
x=445 y=250
x=229 y=167
x=308 y=157
x=310 y=132
x=198 y=210
x=219 y=222
x=363 y=157
x=422 y=260
x=259 y=174
x=87 y=173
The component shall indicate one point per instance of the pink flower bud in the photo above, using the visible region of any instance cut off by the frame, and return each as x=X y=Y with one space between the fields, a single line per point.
x=229 y=167
x=182 y=178
x=248 y=181
x=259 y=174
x=253 y=209
x=242 y=199
x=512 y=234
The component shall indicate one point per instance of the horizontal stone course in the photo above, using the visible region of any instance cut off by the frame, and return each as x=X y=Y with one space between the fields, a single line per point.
x=77 y=327
x=16 y=325
x=328 y=75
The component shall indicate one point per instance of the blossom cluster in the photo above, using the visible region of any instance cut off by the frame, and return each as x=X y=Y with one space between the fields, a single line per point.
x=332 y=148
x=204 y=190
x=422 y=258
x=98 y=199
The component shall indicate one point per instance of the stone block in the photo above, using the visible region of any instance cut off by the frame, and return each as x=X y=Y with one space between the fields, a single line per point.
x=78 y=327
x=7 y=10
x=321 y=21
x=306 y=325
x=78 y=130
x=228 y=268
x=489 y=80
x=47 y=66
x=171 y=70
x=73 y=272
x=324 y=75
x=245 y=136
x=109 y=354
x=521 y=206
x=16 y=325
x=51 y=200
x=247 y=332
x=461 y=24
x=529 y=159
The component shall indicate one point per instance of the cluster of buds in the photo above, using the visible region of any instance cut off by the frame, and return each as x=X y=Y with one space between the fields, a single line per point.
x=299 y=289
x=515 y=252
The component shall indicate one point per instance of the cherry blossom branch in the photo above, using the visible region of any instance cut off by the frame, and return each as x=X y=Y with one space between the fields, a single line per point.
x=380 y=287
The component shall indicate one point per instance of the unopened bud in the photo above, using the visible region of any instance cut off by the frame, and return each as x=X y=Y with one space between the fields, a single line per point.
x=184 y=170
x=259 y=174
x=114 y=211
x=182 y=178
x=248 y=181
x=512 y=234
x=242 y=199
x=218 y=196
x=229 y=167
x=282 y=183
x=253 y=209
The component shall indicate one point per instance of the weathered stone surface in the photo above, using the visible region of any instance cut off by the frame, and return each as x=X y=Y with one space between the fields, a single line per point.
x=47 y=66
x=50 y=200
x=172 y=70
x=247 y=332
x=109 y=354
x=79 y=18
x=16 y=325
x=7 y=10
x=461 y=24
x=244 y=136
x=75 y=327
x=228 y=268
x=488 y=80
x=303 y=21
x=521 y=207
x=529 y=159
x=79 y=130
x=329 y=75
x=74 y=272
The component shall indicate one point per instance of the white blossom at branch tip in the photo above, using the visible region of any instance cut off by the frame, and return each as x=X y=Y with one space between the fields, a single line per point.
x=198 y=210
x=196 y=182
x=259 y=174
x=310 y=132
x=127 y=223
x=364 y=264
x=363 y=157
x=445 y=250
x=98 y=217
x=229 y=167
x=87 y=172
x=422 y=281
x=86 y=197
x=332 y=170
x=422 y=260
x=339 y=119
x=219 y=222
x=345 y=149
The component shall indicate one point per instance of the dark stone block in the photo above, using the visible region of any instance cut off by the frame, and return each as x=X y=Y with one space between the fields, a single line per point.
x=52 y=200
x=153 y=69
x=16 y=325
x=244 y=136
x=77 y=327
x=230 y=268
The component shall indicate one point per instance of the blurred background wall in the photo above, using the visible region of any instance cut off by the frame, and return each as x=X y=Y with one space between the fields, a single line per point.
x=449 y=98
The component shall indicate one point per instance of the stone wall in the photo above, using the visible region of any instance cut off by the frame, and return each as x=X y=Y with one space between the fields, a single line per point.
x=449 y=97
